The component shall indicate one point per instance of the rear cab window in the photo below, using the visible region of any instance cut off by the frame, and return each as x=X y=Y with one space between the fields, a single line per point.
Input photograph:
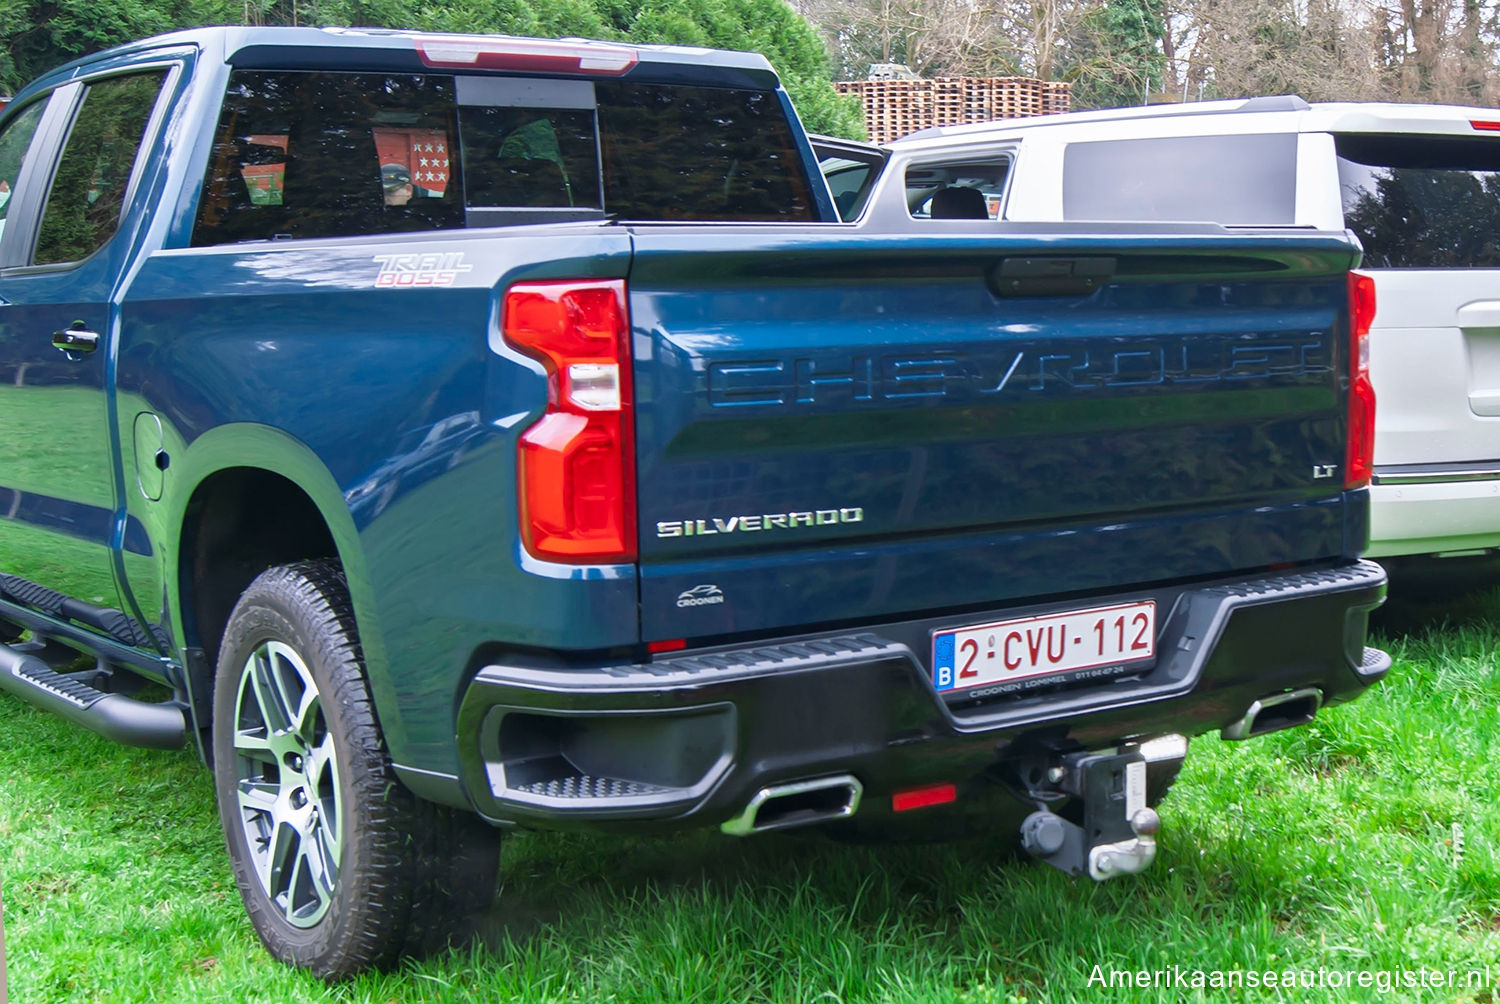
x=535 y=145
x=1234 y=180
x=318 y=154
x=1421 y=201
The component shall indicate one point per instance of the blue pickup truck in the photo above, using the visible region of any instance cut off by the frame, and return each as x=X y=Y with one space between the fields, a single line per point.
x=455 y=434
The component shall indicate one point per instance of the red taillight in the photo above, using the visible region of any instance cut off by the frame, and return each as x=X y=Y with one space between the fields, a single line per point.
x=576 y=464
x=1485 y=125
x=528 y=55
x=1360 y=455
x=921 y=798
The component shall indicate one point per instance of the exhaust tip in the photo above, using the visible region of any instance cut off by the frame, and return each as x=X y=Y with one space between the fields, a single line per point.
x=1276 y=712
x=800 y=803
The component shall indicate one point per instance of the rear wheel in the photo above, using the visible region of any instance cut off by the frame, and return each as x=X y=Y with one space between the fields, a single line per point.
x=340 y=867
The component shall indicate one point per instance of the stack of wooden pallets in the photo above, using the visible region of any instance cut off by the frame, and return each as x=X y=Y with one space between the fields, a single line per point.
x=894 y=108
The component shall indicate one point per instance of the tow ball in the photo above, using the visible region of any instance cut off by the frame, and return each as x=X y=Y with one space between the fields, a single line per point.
x=1118 y=835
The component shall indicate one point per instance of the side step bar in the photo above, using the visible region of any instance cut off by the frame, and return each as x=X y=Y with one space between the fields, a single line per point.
x=114 y=716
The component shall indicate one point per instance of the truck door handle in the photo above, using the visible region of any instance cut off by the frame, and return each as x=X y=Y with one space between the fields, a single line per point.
x=75 y=342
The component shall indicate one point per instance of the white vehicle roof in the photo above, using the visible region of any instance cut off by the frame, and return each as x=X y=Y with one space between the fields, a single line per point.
x=1284 y=113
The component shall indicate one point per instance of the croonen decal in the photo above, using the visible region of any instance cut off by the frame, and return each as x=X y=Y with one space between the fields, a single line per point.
x=701 y=596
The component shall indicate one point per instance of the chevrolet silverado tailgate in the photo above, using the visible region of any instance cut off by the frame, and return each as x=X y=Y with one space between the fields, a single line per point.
x=832 y=426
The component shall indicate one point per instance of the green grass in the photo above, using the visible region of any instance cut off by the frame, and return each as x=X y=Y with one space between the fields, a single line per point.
x=1368 y=840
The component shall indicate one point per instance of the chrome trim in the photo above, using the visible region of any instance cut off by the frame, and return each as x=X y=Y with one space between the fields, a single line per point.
x=745 y=823
x=1245 y=727
x=1435 y=476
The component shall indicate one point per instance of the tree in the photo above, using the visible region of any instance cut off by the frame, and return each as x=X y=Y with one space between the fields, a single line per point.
x=1322 y=50
x=1116 y=57
x=934 y=38
x=1039 y=32
x=769 y=27
x=40 y=35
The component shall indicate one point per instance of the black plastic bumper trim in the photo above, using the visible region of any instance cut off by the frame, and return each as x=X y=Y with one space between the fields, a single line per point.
x=862 y=702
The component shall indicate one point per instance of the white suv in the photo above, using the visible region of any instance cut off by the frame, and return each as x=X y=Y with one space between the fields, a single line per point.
x=1418 y=184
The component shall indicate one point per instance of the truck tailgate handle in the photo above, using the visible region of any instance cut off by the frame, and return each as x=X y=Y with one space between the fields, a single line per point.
x=1050 y=276
x=75 y=341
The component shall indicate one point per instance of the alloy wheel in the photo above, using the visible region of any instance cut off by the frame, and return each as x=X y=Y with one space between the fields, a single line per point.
x=288 y=784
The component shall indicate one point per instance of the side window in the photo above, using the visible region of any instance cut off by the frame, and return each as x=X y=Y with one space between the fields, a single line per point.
x=88 y=191
x=314 y=154
x=850 y=177
x=965 y=191
x=1247 y=180
x=15 y=141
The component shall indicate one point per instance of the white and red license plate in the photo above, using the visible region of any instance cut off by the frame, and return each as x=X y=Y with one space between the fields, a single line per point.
x=1052 y=645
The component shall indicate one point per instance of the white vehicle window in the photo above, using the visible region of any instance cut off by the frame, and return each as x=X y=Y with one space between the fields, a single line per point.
x=1244 y=180
x=849 y=183
x=1422 y=201
x=964 y=191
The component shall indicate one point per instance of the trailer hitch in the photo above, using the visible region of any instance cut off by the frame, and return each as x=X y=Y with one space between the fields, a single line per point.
x=1118 y=835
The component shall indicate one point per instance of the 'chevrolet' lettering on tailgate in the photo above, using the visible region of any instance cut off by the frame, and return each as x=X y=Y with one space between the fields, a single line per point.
x=871 y=377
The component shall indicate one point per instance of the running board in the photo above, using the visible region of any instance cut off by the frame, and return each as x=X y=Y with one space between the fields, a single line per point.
x=114 y=716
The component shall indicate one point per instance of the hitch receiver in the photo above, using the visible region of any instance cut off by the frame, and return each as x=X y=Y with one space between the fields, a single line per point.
x=1118 y=835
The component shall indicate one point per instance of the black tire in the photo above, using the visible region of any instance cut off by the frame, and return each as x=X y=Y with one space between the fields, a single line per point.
x=341 y=868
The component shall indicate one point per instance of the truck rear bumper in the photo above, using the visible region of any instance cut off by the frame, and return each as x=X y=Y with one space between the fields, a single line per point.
x=693 y=739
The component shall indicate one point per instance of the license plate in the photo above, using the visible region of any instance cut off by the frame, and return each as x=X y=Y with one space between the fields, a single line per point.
x=1028 y=648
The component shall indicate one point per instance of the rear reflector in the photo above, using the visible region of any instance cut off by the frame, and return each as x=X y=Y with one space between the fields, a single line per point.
x=670 y=645
x=1485 y=126
x=922 y=798
x=499 y=52
x=577 y=462
x=1360 y=453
